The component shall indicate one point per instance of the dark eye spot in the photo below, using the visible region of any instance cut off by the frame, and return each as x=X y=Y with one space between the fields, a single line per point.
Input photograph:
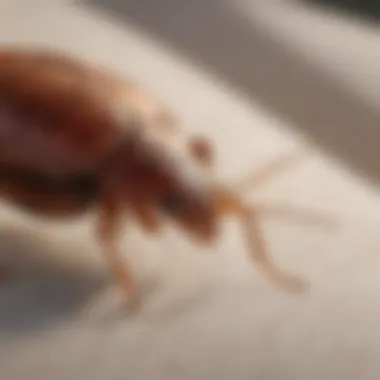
x=170 y=203
x=201 y=150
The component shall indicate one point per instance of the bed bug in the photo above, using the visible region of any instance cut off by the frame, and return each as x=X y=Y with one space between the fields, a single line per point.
x=73 y=135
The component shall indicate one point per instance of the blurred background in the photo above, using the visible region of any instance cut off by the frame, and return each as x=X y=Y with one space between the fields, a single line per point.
x=314 y=63
x=368 y=9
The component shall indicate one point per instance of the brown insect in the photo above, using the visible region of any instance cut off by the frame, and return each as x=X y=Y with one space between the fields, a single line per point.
x=73 y=136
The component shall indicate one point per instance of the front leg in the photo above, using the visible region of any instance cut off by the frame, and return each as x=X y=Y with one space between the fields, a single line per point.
x=271 y=170
x=260 y=254
x=108 y=227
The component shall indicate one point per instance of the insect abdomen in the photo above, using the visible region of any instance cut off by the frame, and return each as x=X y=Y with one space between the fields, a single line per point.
x=46 y=195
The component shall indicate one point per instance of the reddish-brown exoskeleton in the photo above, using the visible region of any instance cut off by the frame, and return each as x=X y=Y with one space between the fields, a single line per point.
x=72 y=135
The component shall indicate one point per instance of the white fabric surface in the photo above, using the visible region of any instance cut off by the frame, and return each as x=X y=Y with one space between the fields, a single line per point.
x=209 y=314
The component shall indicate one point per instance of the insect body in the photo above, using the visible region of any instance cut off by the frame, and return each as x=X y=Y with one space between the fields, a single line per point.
x=74 y=136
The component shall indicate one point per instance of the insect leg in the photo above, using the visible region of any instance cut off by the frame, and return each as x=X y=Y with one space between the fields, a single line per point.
x=271 y=170
x=260 y=254
x=297 y=214
x=109 y=223
x=147 y=216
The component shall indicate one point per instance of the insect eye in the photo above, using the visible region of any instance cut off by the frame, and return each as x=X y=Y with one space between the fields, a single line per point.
x=170 y=203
